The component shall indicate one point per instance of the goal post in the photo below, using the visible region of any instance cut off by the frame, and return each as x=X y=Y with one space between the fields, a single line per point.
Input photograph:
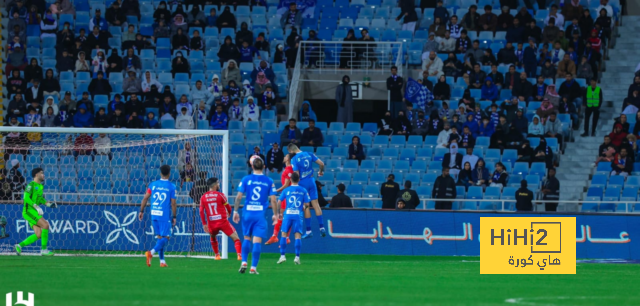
x=98 y=178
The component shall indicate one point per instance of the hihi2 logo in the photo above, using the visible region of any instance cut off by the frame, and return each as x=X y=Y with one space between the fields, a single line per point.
x=527 y=245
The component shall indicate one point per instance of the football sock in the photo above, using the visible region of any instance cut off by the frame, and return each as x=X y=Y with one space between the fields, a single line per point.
x=31 y=239
x=238 y=246
x=159 y=246
x=277 y=227
x=45 y=238
x=214 y=245
x=298 y=245
x=153 y=252
x=161 y=255
x=320 y=221
x=307 y=223
x=283 y=245
x=246 y=248
x=257 y=248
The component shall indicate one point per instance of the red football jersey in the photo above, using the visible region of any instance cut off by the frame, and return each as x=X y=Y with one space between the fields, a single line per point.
x=286 y=174
x=214 y=207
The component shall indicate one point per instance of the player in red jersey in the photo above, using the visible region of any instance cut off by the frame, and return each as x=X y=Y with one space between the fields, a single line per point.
x=214 y=211
x=286 y=182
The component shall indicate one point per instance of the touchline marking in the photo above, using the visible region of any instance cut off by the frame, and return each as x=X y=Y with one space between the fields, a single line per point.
x=528 y=301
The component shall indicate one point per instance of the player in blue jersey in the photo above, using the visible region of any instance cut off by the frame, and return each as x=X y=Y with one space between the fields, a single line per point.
x=260 y=190
x=163 y=212
x=297 y=199
x=302 y=163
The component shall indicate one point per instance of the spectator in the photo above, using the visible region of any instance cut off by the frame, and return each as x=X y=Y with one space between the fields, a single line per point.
x=529 y=58
x=83 y=118
x=50 y=104
x=118 y=119
x=489 y=90
x=275 y=158
x=476 y=78
x=16 y=60
x=555 y=16
x=132 y=84
x=219 y=119
x=196 y=17
x=444 y=188
x=463 y=42
x=16 y=84
x=261 y=83
x=432 y=64
x=447 y=43
x=256 y=152
x=395 y=85
x=33 y=71
x=162 y=13
x=452 y=160
x=402 y=125
x=488 y=21
x=584 y=69
x=215 y=88
x=553 y=128
x=17 y=106
x=618 y=135
x=408 y=15
x=231 y=73
x=385 y=126
x=312 y=136
x=543 y=153
x=408 y=196
x=356 y=150
x=515 y=33
x=442 y=90
x=180 y=64
x=32 y=117
x=438 y=28
x=604 y=5
x=101 y=119
x=184 y=103
x=15 y=177
x=551 y=190
x=292 y=17
x=131 y=61
x=572 y=89
x=179 y=23
x=471 y=20
x=235 y=112
x=100 y=86
x=199 y=94
x=250 y=112
x=134 y=121
x=180 y=41
x=499 y=177
x=505 y=20
x=290 y=134
x=48 y=25
x=48 y=118
x=226 y=19
x=82 y=65
x=545 y=110
x=268 y=100
x=566 y=67
x=344 y=98
x=115 y=15
x=150 y=122
x=465 y=177
x=186 y=156
x=98 y=39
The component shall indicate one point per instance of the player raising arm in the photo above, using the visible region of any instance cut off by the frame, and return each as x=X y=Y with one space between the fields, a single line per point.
x=302 y=163
x=214 y=212
x=294 y=196
x=286 y=182
x=163 y=212
x=33 y=198
x=260 y=191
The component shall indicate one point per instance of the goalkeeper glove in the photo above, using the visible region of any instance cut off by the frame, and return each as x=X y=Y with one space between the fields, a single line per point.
x=51 y=205
x=40 y=212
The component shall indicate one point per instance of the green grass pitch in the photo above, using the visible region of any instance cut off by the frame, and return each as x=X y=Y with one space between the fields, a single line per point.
x=320 y=280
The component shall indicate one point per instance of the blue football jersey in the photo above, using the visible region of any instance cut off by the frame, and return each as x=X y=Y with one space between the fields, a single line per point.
x=162 y=192
x=303 y=162
x=295 y=196
x=256 y=188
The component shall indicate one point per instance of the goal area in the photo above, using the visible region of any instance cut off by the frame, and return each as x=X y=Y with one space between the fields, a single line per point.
x=98 y=178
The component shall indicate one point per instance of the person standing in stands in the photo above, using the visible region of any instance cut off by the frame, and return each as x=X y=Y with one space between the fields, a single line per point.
x=341 y=200
x=408 y=15
x=389 y=191
x=551 y=190
x=344 y=98
x=395 y=86
x=291 y=18
x=410 y=197
x=593 y=97
x=444 y=188
x=524 y=197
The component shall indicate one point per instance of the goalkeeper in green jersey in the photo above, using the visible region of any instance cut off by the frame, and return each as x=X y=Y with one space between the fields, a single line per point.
x=32 y=212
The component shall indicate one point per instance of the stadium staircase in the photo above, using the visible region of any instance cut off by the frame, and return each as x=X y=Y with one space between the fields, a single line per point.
x=575 y=171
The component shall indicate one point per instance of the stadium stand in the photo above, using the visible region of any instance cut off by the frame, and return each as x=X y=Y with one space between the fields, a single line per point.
x=235 y=55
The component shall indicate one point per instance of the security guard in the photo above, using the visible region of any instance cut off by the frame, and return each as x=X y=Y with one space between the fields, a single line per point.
x=593 y=97
x=410 y=197
x=389 y=191
x=524 y=197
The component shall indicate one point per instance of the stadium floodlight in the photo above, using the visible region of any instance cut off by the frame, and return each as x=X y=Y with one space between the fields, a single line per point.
x=98 y=178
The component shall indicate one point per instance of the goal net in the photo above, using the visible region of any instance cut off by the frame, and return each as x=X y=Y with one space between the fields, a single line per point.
x=98 y=178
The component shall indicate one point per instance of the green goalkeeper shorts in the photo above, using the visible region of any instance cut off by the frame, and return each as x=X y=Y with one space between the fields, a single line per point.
x=32 y=216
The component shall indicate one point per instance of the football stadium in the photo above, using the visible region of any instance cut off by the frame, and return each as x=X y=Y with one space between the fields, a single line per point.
x=319 y=152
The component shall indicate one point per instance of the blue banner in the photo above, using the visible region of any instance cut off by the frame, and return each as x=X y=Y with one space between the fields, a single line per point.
x=307 y=7
x=418 y=94
x=418 y=233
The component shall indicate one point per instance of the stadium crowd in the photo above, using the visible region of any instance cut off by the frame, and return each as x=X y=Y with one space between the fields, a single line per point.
x=505 y=92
